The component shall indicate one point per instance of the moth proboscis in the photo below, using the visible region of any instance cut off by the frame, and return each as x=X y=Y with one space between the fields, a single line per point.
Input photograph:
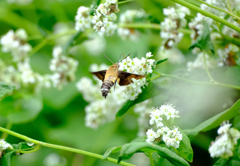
x=113 y=75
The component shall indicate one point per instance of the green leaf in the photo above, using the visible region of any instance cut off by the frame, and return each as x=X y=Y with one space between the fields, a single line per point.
x=204 y=41
x=140 y=139
x=111 y=150
x=150 y=91
x=185 y=149
x=6 y=158
x=129 y=149
x=4 y=88
x=222 y=162
x=216 y=120
x=190 y=132
x=160 y=61
x=20 y=110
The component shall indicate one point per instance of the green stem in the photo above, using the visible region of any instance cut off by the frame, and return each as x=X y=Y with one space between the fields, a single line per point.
x=150 y=26
x=140 y=25
x=52 y=37
x=208 y=14
x=8 y=126
x=122 y=2
x=30 y=151
x=220 y=9
x=196 y=82
x=151 y=160
x=61 y=147
x=205 y=64
x=230 y=8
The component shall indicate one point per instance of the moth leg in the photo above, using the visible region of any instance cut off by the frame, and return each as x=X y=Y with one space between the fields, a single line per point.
x=115 y=84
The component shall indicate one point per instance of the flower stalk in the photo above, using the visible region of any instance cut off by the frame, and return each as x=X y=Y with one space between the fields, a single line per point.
x=39 y=143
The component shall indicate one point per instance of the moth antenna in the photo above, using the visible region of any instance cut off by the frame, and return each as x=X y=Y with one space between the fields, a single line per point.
x=108 y=58
x=120 y=57
x=125 y=57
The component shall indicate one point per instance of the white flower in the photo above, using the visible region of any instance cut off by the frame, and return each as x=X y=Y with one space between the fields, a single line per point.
x=224 y=143
x=16 y=44
x=4 y=145
x=156 y=118
x=64 y=67
x=172 y=138
x=83 y=19
x=151 y=136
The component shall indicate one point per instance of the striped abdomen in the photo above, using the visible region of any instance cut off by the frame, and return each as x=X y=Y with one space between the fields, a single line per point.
x=106 y=86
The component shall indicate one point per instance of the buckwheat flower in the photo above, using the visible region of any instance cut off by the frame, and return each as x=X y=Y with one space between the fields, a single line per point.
x=10 y=75
x=198 y=63
x=151 y=136
x=4 y=145
x=224 y=128
x=222 y=147
x=64 y=67
x=227 y=54
x=156 y=118
x=172 y=138
x=162 y=131
x=149 y=54
x=16 y=44
x=172 y=22
x=103 y=18
x=197 y=25
x=27 y=74
x=169 y=111
x=225 y=142
x=83 y=19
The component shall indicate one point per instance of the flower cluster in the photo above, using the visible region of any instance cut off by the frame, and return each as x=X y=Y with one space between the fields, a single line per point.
x=101 y=110
x=104 y=16
x=175 y=19
x=158 y=117
x=16 y=44
x=128 y=17
x=83 y=19
x=137 y=66
x=3 y=146
x=64 y=67
x=196 y=24
x=198 y=63
x=227 y=55
x=224 y=143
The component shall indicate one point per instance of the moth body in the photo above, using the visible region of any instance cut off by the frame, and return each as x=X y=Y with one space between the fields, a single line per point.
x=110 y=79
x=113 y=75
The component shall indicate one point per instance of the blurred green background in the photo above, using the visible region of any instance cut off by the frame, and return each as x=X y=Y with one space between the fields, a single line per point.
x=61 y=120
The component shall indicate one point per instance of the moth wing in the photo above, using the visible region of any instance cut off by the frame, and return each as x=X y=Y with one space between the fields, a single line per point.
x=125 y=78
x=100 y=74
